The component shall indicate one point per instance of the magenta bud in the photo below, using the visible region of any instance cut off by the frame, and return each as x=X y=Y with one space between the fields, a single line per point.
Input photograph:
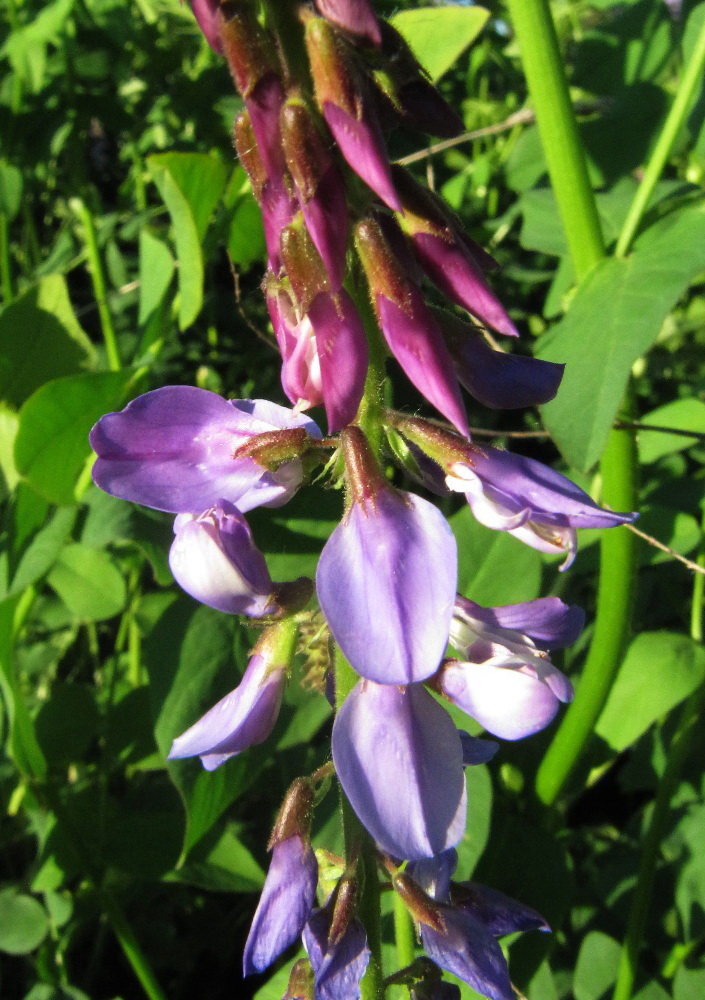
x=356 y=17
x=319 y=186
x=408 y=326
x=345 y=102
x=279 y=207
x=303 y=265
x=246 y=146
x=206 y=13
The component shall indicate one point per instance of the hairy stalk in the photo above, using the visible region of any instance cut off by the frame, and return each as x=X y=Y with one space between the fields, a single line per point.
x=358 y=842
x=95 y=268
x=687 y=731
x=403 y=933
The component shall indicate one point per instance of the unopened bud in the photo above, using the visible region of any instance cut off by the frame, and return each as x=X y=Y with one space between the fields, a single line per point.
x=246 y=146
x=306 y=154
x=354 y=16
x=301 y=985
x=418 y=903
x=294 y=818
x=343 y=909
x=302 y=262
x=248 y=47
x=335 y=74
x=384 y=273
x=274 y=448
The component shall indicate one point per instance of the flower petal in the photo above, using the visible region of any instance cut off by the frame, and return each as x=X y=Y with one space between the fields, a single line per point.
x=361 y=143
x=386 y=583
x=498 y=913
x=285 y=905
x=240 y=720
x=503 y=381
x=338 y=967
x=342 y=355
x=470 y=952
x=399 y=759
x=548 y=621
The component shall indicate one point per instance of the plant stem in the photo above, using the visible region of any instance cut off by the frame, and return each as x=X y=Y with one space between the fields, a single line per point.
x=95 y=268
x=359 y=843
x=403 y=933
x=545 y=74
x=5 y=268
x=691 y=79
x=687 y=730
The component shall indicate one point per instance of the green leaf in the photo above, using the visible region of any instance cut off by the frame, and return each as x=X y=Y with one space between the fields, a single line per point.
x=67 y=723
x=596 y=968
x=10 y=189
x=9 y=477
x=438 y=36
x=156 y=271
x=52 y=446
x=26 y=47
x=477 y=829
x=43 y=549
x=221 y=864
x=189 y=656
x=689 y=984
x=22 y=746
x=23 y=923
x=681 y=414
x=659 y=671
x=615 y=317
x=40 y=339
x=483 y=556
x=191 y=185
x=89 y=583
x=245 y=234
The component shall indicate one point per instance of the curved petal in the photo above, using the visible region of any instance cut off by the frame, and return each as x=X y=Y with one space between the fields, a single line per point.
x=498 y=913
x=362 y=145
x=503 y=381
x=340 y=965
x=285 y=905
x=326 y=218
x=342 y=353
x=433 y=875
x=214 y=558
x=386 y=582
x=206 y=13
x=470 y=952
x=457 y=275
x=416 y=342
x=172 y=449
x=240 y=720
x=507 y=702
x=548 y=621
x=399 y=759
x=355 y=16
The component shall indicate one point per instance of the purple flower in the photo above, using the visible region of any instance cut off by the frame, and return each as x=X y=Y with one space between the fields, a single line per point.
x=530 y=501
x=345 y=102
x=240 y=720
x=279 y=207
x=500 y=914
x=386 y=582
x=339 y=961
x=324 y=354
x=174 y=449
x=498 y=380
x=206 y=13
x=355 y=16
x=215 y=560
x=468 y=950
x=285 y=904
x=399 y=760
x=506 y=682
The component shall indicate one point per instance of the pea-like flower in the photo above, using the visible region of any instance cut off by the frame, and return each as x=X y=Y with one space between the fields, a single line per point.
x=175 y=449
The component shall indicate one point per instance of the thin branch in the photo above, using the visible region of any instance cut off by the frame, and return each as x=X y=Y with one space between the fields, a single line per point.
x=631 y=425
x=524 y=117
x=665 y=548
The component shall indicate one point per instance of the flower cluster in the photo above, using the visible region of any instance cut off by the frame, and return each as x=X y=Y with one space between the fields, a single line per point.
x=387 y=578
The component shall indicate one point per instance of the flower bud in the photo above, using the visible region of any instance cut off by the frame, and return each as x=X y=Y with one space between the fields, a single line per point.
x=303 y=265
x=246 y=146
x=354 y=16
x=294 y=817
x=319 y=186
x=300 y=981
x=206 y=13
x=346 y=105
x=408 y=326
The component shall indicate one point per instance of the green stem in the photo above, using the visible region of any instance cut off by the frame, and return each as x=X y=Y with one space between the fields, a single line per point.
x=690 y=81
x=358 y=842
x=614 y=604
x=95 y=268
x=5 y=268
x=687 y=731
x=545 y=74
x=403 y=933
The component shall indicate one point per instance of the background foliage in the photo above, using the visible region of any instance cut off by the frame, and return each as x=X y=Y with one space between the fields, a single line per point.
x=130 y=257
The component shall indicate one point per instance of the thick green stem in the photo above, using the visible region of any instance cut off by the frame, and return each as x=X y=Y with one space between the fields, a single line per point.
x=359 y=843
x=545 y=74
x=403 y=933
x=690 y=81
x=544 y=67
x=687 y=731
x=95 y=268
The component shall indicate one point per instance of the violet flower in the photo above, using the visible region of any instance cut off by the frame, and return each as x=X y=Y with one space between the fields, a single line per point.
x=215 y=560
x=506 y=681
x=354 y=16
x=245 y=717
x=339 y=960
x=529 y=500
x=285 y=905
x=386 y=578
x=324 y=354
x=399 y=760
x=206 y=13
x=175 y=449
x=345 y=103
